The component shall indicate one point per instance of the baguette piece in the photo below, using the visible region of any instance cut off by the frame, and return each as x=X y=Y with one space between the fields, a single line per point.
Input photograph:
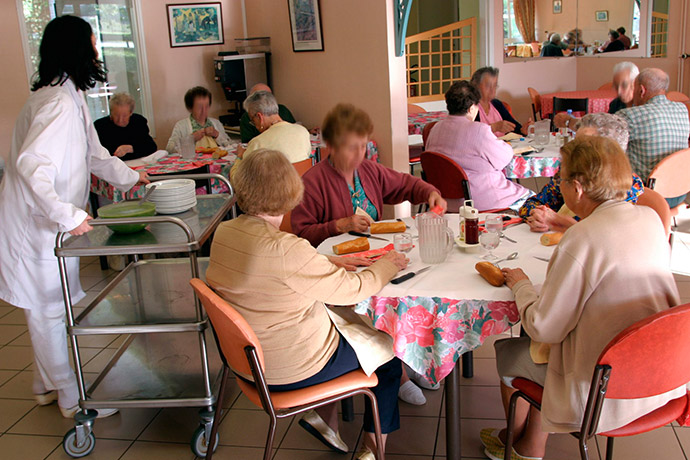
x=357 y=245
x=388 y=227
x=491 y=273
x=550 y=239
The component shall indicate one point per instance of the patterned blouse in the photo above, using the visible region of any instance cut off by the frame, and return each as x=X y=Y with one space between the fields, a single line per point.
x=359 y=199
x=552 y=197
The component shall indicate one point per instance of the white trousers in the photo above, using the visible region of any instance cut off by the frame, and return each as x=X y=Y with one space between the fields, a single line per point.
x=51 y=356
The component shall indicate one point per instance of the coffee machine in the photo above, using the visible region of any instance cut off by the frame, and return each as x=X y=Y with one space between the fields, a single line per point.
x=237 y=73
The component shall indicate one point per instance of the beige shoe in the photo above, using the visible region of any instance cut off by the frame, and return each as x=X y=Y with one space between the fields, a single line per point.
x=46 y=399
x=366 y=454
x=102 y=413
x=315 y=425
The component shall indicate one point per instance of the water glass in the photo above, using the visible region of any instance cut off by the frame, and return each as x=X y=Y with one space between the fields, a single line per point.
x=187 y=147
x=402 y=242
x=489 y=241
x=494 y=223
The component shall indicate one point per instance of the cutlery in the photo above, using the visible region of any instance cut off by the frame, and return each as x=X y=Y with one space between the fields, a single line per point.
x=544 y=259
x=508 y=238
x=400 y=220
x=512 y=256
x=148 y=193
x=366 y=235
x=406 y=277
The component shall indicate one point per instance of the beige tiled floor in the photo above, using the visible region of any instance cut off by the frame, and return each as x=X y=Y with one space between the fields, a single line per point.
x=30 y=432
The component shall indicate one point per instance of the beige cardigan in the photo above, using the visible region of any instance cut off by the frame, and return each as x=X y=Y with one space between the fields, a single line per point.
x=279 y=283
x=609 y=271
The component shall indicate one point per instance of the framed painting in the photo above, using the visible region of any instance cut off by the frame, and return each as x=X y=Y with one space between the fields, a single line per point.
x=195 y=24
x=305 y=24
x=602 y=16
x=557 y=6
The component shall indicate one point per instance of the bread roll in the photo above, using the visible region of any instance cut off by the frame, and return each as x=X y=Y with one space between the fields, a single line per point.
x=360 y=244
x=388 y=227
x=550 y=239
x=491 y=273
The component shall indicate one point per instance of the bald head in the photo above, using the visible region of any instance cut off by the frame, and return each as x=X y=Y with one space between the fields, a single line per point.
x=649 y=83
x=260 y=87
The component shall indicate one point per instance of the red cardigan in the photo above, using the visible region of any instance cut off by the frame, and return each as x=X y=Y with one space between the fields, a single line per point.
x=327 y=196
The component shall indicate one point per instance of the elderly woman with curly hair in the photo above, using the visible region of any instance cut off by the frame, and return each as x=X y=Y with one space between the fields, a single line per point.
x=280 y=284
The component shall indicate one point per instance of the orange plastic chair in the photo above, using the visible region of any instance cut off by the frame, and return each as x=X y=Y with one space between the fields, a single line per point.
x=414 y=108
x=654 y=200
x=608 y=85
x=646 y=359
x=536 y=103
x=240 y=350
x=670 y=177
x=301 y=167
x=426 y=131
x=508 y=107
x=677 y=96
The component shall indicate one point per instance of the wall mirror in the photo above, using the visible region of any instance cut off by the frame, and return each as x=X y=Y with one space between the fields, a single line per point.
x=586 y=28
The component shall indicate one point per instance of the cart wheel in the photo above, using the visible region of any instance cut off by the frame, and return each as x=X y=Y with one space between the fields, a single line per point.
x=199 y=444
x=69 y=443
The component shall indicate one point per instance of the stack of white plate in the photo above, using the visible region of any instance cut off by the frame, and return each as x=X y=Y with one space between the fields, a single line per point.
x=173 y=195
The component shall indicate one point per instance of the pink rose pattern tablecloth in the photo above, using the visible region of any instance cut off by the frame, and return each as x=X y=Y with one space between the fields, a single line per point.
x=525 y=167
x=599 y=100
x=431 y=333
x=417 y=121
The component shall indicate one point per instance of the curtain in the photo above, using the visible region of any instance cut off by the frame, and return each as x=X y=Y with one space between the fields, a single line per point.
x=524 y=18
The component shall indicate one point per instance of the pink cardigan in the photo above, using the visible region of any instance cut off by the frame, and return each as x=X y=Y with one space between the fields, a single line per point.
x=327 y=196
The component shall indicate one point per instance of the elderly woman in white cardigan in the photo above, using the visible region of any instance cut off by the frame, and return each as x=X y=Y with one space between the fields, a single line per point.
x=608 y=272
x=207 y=131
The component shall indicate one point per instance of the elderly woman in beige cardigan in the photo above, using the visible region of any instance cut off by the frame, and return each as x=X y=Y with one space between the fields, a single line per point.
x=609 y=271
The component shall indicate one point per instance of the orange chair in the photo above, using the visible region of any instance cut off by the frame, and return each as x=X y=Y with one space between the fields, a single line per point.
x=536 y=103
x=301 y=167
x=677 y=96
x=670 y=177
x=414 y=108
x=446 y=175
x=608 y=85
x=415 y=150
x=426 y=131
x=654 y=200
x=508 y=107
x=240 y=350
x=646 y=359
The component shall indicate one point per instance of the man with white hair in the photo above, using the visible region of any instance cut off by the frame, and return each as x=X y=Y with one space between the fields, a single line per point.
x=624 y=74
x=247 y=130
x=124 y=133
x=553 y=48
x=657 y=126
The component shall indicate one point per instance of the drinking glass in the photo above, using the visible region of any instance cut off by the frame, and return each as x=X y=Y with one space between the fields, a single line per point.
x=402 y=242
x=494 y=223
x=187 y=147
x=489 y=241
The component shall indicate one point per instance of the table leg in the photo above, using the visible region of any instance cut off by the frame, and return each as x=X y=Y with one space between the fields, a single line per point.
x=348 y=407
x=452 y=385
x=467 y=365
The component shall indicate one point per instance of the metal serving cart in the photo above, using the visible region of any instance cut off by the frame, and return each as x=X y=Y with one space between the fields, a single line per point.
x=168 y=357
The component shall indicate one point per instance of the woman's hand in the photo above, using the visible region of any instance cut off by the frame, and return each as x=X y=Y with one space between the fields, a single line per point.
x=513 y=275
x=211 y=131
x=82 y=228
x=561 y=119
x=198 y=134
x=350 y=263
x=398 y=259
x=143 y=178
x=502 y=126
x=436 y=200
x=123 y=150
x=539 y=218
x=354 y=223
x=240 y=151
x=525 y=127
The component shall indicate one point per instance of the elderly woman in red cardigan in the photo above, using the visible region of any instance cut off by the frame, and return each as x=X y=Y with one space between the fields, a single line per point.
x=336 y=187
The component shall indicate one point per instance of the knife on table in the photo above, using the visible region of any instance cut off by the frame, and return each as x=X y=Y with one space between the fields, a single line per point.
x=366 y=235
x=406 y=277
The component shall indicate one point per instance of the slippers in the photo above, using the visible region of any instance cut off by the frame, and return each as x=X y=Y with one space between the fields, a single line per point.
x=315 y=425
x=497 y=453
x=489 y=437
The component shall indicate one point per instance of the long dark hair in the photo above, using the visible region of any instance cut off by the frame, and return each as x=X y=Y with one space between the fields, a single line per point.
x=67 y=52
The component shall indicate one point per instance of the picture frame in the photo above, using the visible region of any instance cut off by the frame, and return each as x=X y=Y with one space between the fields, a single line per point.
x=602 y=16
x=305 y=25
x=557 y=6
x=195 y=24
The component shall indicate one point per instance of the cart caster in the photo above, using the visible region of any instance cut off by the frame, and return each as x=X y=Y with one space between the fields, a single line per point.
x=199 y=444
x=69 y=443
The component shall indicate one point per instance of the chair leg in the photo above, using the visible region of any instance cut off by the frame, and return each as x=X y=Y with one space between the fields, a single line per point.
x=216 y=416
x=609 y=448
x=584 y=452
x=468 y=365
x=511 y=426
x=377 y=425
x=348 y=409
x=268 y=451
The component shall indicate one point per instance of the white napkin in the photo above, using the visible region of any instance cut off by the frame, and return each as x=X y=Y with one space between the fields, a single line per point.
x=147 y=160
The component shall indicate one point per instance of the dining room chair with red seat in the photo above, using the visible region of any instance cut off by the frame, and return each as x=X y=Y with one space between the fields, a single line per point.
x=677 y=96
x=446 y=175
x=646 y=359
x=415 y=150
x=670 y=177
x=241 y=351
x=606 y=86
x=508 y=107
x=536 y=103
x=301 y=167
x=657 y=202
x=426 y=131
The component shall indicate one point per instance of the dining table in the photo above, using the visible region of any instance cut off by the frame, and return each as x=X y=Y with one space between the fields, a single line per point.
x=599 y=100
x=440 y=315
x=533 y=161
x=417 y=121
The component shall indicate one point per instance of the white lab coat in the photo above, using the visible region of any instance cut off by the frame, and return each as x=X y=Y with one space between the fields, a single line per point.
x=45 y=188
x=184 y=128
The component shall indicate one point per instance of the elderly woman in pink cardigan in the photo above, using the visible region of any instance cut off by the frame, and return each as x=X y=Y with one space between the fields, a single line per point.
x=336 y=187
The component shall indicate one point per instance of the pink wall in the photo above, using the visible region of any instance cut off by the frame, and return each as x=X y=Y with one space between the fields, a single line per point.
x=357 y=66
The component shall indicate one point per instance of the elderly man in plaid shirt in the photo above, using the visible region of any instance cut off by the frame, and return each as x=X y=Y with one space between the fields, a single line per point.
x=658 y=127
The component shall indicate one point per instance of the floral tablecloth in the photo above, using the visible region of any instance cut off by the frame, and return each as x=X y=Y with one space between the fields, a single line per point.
x=599 y=100
x=522 y=167
x=417 y=121
x=431 y=333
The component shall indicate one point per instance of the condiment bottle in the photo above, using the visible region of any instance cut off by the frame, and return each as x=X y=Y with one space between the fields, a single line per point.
x=469 y=223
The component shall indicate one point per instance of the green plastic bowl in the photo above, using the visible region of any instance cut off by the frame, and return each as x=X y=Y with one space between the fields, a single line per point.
x=127 y=209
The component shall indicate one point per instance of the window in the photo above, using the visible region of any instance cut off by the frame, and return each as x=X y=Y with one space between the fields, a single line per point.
x=119 y=44
x=511 y=34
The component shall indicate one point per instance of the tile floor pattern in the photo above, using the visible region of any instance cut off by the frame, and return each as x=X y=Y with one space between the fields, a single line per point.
x=30 y=432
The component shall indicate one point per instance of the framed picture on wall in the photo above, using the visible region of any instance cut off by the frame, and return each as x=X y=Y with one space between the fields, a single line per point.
x=602 y=16
x=305 y=24
x=557 y=6
x=195 y=24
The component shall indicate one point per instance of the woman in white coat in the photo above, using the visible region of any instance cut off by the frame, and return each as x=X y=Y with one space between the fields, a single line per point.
x=55 y=148
x=207 y=131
